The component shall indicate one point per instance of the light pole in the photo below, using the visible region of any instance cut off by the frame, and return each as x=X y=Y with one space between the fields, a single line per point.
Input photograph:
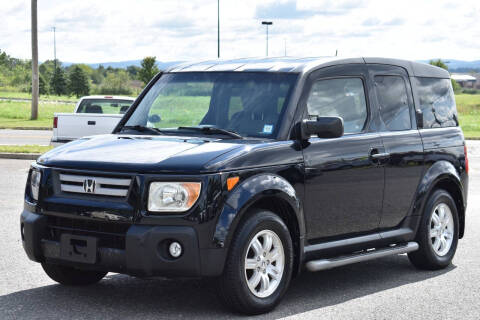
x=54 y=50
x=218 y=28
x=267 y=23
x=34 y=113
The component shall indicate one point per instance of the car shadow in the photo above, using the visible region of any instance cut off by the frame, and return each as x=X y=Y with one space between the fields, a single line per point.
x=120 y=296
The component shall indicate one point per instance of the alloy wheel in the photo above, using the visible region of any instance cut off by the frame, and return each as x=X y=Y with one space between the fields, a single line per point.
x=264 y=263
x=441 y=229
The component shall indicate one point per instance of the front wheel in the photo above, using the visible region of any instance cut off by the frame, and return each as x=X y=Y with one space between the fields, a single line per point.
x=259 y=265
x=71 y=276
x=437 y=235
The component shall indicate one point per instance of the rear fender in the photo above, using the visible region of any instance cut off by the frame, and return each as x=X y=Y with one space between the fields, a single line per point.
x=439 y=173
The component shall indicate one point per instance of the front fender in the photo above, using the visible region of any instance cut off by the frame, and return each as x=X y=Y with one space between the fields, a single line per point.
x=246 y=194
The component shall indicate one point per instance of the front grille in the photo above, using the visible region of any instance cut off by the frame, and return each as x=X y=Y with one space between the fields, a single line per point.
x=109 y=235
x=94 y=185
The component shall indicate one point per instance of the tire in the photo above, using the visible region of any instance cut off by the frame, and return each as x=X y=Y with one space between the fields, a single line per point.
x=233 y=287
x=71 y=276
x=433 y=255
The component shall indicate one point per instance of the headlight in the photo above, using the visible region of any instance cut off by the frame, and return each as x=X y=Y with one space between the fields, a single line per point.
x=35 y=177
x=173 y=196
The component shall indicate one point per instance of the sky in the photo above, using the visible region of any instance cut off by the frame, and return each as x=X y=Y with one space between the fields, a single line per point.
x=91 y=31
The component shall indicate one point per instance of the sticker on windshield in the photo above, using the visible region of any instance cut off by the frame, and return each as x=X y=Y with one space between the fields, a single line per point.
x=268 y=128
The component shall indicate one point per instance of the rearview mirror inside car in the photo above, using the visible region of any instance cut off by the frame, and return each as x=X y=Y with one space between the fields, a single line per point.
x=323 y=127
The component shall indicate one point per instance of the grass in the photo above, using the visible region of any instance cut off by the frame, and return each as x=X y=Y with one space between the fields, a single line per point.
x=15 y=114
x=468 y=106
x=28 y=95
x=25 y=149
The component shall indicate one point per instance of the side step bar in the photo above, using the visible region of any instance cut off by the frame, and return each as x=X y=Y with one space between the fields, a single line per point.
x=324 y=264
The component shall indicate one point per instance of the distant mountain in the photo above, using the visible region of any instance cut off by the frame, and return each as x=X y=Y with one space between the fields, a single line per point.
x=453 y=64
x=460 y=65
x=124 y=64
x=466 y=65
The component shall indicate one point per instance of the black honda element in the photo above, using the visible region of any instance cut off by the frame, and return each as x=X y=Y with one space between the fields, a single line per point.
x=252 y=171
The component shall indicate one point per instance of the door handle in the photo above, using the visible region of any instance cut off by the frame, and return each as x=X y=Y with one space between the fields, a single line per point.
x=378 y=156
x=91 y=123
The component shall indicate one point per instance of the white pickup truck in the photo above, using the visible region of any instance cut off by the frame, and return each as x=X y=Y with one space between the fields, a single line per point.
x=92 y=115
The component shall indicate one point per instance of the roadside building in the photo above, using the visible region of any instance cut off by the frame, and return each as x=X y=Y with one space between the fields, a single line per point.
x=465 y=80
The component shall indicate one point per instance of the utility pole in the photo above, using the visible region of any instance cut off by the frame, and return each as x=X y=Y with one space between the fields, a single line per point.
x=285 y=45
x=54 y=50
x=34 y=113
x=218 y=29
x=267 y=23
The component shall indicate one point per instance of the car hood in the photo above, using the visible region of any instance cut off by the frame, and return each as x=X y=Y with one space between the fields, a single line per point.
x=140 y=153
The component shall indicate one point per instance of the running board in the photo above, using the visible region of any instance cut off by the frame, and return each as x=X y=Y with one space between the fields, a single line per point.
x=324 y=264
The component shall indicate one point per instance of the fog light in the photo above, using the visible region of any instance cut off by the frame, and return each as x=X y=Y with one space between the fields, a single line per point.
x=175 y=249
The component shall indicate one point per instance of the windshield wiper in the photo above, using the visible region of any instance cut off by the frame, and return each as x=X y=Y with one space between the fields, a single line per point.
x=213 y=130
x=143 y=129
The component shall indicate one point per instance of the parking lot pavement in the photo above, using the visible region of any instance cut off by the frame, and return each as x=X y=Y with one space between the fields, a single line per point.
x=22 y=137
x=389 y=288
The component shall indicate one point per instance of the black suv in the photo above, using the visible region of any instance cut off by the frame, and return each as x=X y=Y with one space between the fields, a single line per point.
x=251 y=170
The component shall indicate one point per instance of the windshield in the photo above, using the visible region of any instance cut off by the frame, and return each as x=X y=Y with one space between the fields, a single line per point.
x=247 y=103
x=109 y=106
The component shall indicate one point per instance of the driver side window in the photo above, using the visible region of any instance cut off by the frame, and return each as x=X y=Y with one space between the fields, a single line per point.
x=342 y=97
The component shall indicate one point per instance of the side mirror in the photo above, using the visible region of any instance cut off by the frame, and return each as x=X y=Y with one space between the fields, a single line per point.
x=323 y=127
x=419 y=117
x=154 y=118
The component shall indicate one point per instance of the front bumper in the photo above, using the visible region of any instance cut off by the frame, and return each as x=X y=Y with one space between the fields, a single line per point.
x=145 y=252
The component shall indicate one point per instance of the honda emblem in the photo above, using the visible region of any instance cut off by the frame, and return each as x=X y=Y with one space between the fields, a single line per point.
x=89 y=185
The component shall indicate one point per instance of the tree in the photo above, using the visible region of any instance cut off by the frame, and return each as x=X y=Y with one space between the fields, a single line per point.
x=439 y=63
x=47 y=69
x=4 y=58
x=115 y=83
x=58 y=83
x=97 y=76
x=101 y=69
x=148 y=70
x=78 y=82
x=133 y=71
x=42 y=85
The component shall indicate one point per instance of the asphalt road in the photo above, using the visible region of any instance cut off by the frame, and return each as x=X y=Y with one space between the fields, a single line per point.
x=389 y=288
x=22 y=137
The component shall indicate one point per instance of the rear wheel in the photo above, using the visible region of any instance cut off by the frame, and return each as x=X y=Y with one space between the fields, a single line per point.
x=437 y=235
x=71 y=276
x=259 y=265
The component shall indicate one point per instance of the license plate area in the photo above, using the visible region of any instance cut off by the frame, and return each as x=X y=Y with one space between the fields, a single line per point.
x=78 y=248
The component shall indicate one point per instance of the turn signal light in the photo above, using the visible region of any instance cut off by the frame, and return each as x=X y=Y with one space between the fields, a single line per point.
x=232 y=182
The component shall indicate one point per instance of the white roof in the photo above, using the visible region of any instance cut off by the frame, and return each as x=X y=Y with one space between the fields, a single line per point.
x=108 y=97
x=463 y=77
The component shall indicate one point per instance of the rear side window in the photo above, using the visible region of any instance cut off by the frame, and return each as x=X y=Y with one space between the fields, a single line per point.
x=343 y=97
x=393 y=100
x=108 y=106
x=437 y=102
